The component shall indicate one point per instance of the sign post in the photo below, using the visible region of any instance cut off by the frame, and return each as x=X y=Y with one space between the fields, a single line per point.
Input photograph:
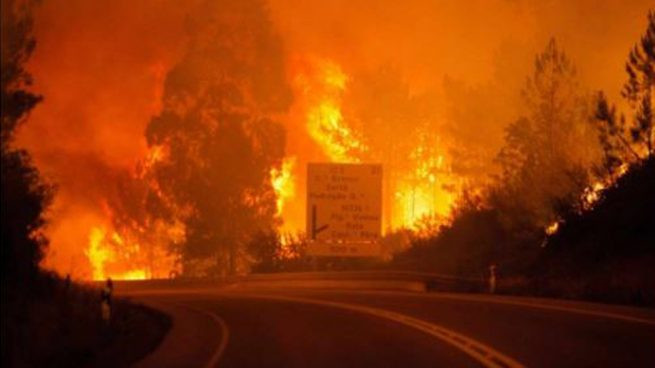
x=344 y=209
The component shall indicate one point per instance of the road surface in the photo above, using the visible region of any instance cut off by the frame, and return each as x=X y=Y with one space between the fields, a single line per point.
x=278 y=327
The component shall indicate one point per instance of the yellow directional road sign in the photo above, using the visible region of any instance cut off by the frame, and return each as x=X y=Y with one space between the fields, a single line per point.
x=344 y=209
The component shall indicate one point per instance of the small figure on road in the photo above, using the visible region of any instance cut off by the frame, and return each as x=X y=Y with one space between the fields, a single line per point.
x=492 y=278
x=106 y=299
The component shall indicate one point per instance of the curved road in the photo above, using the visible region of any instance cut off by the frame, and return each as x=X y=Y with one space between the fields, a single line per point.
x=328 y=328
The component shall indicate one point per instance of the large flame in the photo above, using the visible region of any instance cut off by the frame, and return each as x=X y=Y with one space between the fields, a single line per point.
x=102 y=86
x=325 y=123
x=591 y=195
x=415 y=195
x=112 y=255
x=420 y=196
x=283 y=182
x=134 y=252
x=101 y=255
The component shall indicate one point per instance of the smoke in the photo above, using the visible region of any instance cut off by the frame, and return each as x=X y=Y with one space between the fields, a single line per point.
x=464 y=40
x=101 y=67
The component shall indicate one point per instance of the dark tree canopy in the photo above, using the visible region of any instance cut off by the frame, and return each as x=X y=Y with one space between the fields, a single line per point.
x=631 y=139
x=638 y=89
x=24 y=195
x=219 y=133
x=17 y=46
x=548 y=152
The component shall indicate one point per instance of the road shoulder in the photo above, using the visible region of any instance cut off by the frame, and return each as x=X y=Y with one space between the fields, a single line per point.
x=189 y=342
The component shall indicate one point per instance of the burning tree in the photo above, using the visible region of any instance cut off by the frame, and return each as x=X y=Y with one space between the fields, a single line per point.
x=606 y=253
x=418 y=181
x=384 y=110
x=218 y=134
x=547 y=154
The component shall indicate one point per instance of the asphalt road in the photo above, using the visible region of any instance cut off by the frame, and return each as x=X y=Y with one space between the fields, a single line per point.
x=248 y=327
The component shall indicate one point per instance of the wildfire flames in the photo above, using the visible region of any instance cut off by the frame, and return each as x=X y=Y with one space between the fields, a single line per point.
x=101 y=256
x=90 y=240
x=416 y=190
x=283 y=183
x=422 y=194
x=124 y=258
x=325 y=123
x=418 y=194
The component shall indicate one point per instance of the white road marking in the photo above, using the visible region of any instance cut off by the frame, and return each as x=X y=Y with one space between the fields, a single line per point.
x=486 y=355
x=499 y=300
x=551 y=307
x=225 y=335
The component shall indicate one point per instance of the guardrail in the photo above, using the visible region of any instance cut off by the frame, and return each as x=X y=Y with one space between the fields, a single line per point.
x=372 y=280
x=415 y=281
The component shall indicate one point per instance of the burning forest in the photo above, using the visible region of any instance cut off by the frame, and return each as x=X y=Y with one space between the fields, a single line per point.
x=177 y=133
x=327 y=183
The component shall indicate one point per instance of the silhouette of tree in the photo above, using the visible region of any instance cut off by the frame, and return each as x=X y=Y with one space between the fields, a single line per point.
x=548 y=152
x=626 y=141
x=24 y=194
x=219 y=135
x=266 y=248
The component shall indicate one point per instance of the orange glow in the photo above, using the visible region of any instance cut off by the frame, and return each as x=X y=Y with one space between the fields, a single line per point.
x=97 y=253
x=416 y=190
x=420 y=195
x=102 y=86
x=101 y=255
x=283 y=182
x=593 y=193
x=111 y=255
x=155 y=154
x=325 y=123
x=552 y=228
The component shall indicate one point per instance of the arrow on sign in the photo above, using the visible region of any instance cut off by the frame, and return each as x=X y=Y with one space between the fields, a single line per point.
x=316 y=230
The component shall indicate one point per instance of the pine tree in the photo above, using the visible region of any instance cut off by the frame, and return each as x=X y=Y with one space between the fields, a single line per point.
x=631 y=140
x=547 y=152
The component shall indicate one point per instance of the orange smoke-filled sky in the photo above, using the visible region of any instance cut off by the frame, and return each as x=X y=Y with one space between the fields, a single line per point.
x=101 y=64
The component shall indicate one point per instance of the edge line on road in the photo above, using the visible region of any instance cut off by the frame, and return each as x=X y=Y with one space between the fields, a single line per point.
x=495 y=299
x=486 y=355
x=225 y=334
x=551 y=307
